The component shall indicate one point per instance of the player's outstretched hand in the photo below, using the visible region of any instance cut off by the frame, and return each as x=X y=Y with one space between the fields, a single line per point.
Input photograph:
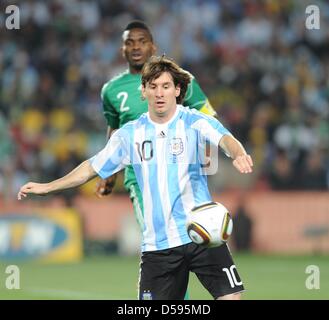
x=105 y=187
x=243 y=163
x=32 y=188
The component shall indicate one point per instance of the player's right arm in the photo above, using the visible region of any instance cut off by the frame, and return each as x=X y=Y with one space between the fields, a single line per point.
x=78 y=176
x=111 y=159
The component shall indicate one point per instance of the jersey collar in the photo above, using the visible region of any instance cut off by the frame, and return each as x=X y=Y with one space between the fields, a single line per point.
x=178 y=108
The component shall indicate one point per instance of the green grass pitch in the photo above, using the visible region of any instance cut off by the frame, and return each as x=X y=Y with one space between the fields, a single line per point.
x=115 y=278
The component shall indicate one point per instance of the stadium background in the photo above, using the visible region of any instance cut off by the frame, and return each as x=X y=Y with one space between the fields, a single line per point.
x=266 y=75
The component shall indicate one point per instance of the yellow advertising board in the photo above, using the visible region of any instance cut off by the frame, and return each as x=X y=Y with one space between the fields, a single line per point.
x=45 y=235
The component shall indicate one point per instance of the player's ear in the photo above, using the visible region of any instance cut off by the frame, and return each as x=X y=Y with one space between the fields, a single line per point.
x=177 y=91
x=143 y=94
x=154 y=49
x=122 y=51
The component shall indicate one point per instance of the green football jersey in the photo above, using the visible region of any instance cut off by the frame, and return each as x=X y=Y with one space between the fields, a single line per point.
x=122 y=102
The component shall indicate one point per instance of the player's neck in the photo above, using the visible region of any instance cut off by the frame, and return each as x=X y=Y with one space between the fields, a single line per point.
x=133 y=70
x=163 y=118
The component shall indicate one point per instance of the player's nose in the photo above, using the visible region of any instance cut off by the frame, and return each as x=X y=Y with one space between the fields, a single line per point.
x=136 y=46
x=159 y=91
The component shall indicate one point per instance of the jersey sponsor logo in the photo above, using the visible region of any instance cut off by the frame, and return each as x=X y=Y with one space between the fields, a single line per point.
x=161 y=134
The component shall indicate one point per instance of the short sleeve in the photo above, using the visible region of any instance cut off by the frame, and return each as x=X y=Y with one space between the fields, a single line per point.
x=113 y=158
x=110 y=114
x=210 y=129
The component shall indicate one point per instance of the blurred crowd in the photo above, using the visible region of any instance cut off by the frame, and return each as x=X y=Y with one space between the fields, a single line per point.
x=266 y=75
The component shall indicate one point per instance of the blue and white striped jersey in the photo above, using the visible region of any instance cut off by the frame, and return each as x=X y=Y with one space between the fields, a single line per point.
x=168 y=160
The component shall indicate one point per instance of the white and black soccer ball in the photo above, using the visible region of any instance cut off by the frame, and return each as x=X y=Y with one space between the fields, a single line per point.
x=209 y=224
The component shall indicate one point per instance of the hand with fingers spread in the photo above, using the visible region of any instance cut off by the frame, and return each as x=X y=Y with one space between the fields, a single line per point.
x=243 y=163
x=105 y=187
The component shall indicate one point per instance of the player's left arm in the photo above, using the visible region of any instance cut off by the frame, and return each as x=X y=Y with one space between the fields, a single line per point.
x=232 y=147
x=195 y=98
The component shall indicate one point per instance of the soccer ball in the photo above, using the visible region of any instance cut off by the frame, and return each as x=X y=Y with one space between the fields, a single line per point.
x=209 y=225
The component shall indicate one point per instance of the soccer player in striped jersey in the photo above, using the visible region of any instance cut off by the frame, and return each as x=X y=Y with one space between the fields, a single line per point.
x=165 y=148
x=121 y=98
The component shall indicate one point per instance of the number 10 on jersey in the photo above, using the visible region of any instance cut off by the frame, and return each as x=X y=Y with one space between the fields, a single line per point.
x=145 y=150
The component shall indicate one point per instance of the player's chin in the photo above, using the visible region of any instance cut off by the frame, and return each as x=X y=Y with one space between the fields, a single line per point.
x=159 y=108
x=137 y=65
x=161 y=113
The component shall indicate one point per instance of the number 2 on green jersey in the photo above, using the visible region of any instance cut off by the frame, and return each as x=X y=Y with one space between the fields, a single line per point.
x=124 y=95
